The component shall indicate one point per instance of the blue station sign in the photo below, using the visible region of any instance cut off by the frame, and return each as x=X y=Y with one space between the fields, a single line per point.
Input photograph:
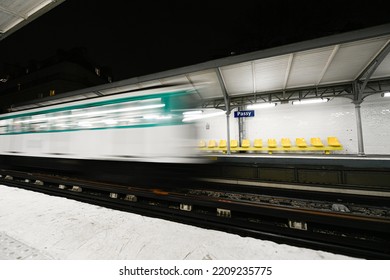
x=244 y=114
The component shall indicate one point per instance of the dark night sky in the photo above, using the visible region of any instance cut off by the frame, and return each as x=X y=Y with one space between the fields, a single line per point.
x=135 y=38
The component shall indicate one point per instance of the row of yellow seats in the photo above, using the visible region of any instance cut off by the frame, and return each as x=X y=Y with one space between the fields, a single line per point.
x=272 y=143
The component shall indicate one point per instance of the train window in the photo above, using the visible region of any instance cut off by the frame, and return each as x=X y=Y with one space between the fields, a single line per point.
x=56 y=121
x=18 y=125
x=37 y=123
x=3 y=126
x=122 y=112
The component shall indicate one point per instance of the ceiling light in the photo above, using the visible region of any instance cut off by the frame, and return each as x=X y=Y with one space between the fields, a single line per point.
x=261 y=105
x=202 y=116
x=386 y=94
x=310 y=101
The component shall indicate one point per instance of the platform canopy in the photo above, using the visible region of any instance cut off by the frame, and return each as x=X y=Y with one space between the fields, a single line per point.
x=16 y=13
x=321 y=67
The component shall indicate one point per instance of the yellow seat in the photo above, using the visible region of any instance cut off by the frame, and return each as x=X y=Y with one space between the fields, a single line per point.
x=286 y=143
x=258 y=143
x=316 y=142
x=245 y=143
x=202 y=144
x=333 y=142
x=222 y=144
x=233 y=143
x=212 y=144
x=301 y=142
x=272 y=143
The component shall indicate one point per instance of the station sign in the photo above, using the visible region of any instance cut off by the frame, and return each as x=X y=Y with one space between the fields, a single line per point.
x=244 y=114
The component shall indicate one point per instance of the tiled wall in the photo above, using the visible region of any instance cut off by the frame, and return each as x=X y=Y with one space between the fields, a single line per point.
x=376 y=124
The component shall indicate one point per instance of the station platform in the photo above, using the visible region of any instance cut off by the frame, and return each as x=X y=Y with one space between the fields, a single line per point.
x=352 y=161
x=362 y=172
x=37 y=226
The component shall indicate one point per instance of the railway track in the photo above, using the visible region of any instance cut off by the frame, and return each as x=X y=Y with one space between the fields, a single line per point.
x=347 y=228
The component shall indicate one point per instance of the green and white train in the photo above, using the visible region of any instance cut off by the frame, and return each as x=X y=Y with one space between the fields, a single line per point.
x=133 y=137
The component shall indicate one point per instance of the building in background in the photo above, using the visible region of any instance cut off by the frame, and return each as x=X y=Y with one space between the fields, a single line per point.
x=66 y=71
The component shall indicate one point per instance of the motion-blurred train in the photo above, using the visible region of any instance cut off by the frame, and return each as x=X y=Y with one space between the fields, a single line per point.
x=129 y=137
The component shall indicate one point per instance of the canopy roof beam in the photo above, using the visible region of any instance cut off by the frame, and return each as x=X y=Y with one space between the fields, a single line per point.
x=288 y=70
x=330 y=59
x=366 y=74
x=332 y=91
x=223 y=87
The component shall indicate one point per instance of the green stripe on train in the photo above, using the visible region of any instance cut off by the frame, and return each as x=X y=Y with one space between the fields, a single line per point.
x=97 y=128
x=98 y=103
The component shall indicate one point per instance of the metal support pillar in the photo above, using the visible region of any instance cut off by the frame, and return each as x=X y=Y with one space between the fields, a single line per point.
x=227 y=107
x=359 y=128
x=240 y=131
x=357 y=91
x=240 y=128
x=228 y=131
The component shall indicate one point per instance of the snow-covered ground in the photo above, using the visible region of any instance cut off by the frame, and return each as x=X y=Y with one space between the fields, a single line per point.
x=38 y=226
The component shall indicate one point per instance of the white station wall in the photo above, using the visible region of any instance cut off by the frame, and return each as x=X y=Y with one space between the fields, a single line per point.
x=375 y=112
x=334 y=118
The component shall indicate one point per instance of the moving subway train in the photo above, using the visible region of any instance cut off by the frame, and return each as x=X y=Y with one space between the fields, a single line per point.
x=120 y=136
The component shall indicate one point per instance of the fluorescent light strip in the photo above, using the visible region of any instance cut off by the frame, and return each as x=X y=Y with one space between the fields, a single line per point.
x=261 y=105
x=310 y=101
x=205 y=116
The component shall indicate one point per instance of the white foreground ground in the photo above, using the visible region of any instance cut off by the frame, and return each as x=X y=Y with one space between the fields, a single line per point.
x=38 y=226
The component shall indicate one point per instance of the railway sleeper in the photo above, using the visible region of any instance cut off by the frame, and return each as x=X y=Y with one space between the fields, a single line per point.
x=76 y=189
x=185 y=207
x=131 y=197
x=224 y=213
x=38 y=183
x=340 y=208
x=113 y=195
x=297 y=225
